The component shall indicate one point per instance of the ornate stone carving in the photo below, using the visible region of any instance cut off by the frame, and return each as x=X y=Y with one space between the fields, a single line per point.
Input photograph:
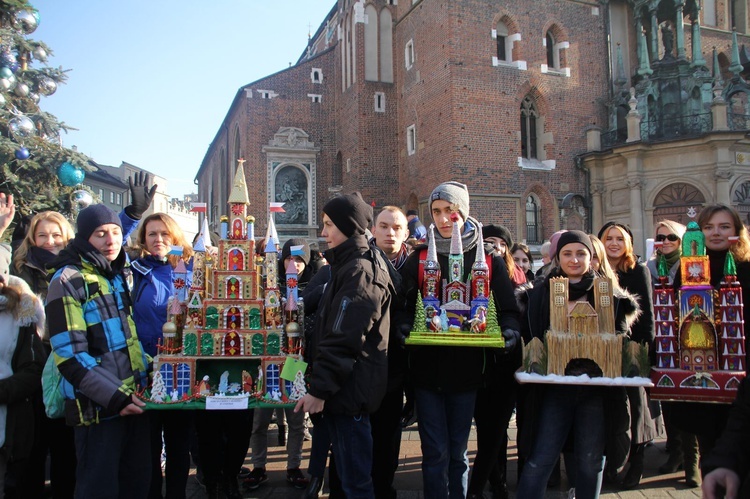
x=723 y=174
x=636 y=183
x=291 y=189
x=291 y=138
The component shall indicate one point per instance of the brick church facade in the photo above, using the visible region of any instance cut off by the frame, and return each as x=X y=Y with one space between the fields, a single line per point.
x=519 y=100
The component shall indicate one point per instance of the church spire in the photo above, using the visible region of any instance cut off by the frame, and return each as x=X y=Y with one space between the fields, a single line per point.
x=698 y=59
x=620 y=79
x=736 y=66
x=480 y=261
x=644 y=66
x=239 y=186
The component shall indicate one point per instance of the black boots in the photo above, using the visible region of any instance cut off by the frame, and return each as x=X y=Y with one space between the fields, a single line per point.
x=635 y=472
x=314 y=488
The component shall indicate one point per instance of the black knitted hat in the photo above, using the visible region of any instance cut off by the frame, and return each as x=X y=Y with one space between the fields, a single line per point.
x=498 y=231
x=349 y=213
x=297 y=241
x=607 y=225
x=95 y=216
x=574 y=236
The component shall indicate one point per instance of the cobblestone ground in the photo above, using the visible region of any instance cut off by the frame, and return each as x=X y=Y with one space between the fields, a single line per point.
x=408 y=480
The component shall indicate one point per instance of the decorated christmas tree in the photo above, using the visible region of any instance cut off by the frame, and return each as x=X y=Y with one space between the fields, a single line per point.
x=419 y=315
x=34 y=166
x=158 y=388
x=298 y=387
x=492 y=324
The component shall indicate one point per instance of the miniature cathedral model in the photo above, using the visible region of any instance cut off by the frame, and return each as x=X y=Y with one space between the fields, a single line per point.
x=234 y=326
x=580 y=334
x=584 y=332
x=451 y=311
x=700 y=339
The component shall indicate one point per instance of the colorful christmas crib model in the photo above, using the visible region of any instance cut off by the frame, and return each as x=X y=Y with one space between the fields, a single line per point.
x=583 y=340
x=234 y=326
x=700 y=334
x=466 y=315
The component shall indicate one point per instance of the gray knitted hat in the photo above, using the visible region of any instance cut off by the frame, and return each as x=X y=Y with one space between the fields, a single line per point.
x=455 y=193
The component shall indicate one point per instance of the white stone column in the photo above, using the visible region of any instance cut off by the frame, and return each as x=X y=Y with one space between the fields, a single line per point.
x=597 y=206
x=722 y=186
x=636 y=213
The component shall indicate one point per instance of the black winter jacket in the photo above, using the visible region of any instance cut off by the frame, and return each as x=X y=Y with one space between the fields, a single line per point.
x=350 y=365
x=732 y=450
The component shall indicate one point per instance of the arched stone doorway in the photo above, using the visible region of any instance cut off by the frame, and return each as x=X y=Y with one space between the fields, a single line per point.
x=741 y=201
x=673 y=202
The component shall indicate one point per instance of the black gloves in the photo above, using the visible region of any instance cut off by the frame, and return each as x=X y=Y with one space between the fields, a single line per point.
x=140 y=195
x=512 y=338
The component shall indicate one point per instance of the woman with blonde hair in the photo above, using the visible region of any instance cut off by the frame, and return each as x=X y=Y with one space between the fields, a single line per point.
x=599 y=262
x=668 y=242
x=633 y=277
x=49 y=232
x=153 y=291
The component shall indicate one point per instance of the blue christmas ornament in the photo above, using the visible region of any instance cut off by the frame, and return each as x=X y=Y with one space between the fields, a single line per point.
x=70 y=175
x=22 y=153
x=7 y=58
x=5 y=72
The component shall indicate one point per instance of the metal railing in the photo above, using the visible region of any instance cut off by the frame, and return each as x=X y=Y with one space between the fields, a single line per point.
x=679 y=127
x=738 y=121
x=532 y=234
x=614 y=137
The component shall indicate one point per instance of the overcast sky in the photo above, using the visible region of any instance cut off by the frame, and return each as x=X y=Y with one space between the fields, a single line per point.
x=151 y=81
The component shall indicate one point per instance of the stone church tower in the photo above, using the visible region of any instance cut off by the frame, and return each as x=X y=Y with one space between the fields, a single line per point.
x=523 y=101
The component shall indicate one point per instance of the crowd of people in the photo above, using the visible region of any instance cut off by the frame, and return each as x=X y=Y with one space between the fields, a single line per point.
x=106 y=304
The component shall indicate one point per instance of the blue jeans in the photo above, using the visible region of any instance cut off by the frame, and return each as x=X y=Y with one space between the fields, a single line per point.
x=444 y=426
x=564 y=407
x=351 y=438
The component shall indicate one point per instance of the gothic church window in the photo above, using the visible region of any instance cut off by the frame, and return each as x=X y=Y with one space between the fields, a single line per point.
x=371 y=44
x=409 y=54
x=504 y=44
x=386 y=46
x=411 y=139
x=503 y=54
x=529 y=117
x=533 y=230
x=550 y=51
x=709 y=13
x=554 y=47
x=379 y=102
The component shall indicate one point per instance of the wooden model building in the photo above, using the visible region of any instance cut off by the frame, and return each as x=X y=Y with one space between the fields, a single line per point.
x=700 y=334
x=581 y=336
x=236 y=337
x=584 y=332
x=454 y=312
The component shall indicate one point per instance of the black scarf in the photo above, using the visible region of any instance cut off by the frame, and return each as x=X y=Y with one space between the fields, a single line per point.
x=40 y=256
x=88 y=252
